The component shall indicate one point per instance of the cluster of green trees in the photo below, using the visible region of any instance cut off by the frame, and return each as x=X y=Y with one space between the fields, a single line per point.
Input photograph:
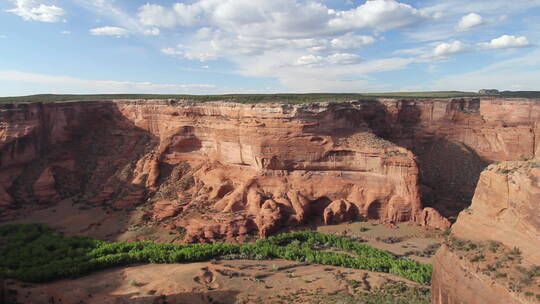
x=35 y=253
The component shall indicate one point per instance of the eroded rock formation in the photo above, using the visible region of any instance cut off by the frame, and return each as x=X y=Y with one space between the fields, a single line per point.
x=227 y=169
x=504 y=211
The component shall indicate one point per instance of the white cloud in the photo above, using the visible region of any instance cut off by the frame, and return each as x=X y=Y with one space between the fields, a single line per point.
x=321 y=75
x=337 y=58
x=108 y=10
x=469 y=21
x=343 y=58
x=152 y=31
x=378 y=14
x=445 y=15
x=460 y=7
x=507 y=41
x=351 y=41
x=444 y=49
x=109 y=31
x=172 y=51
x=67 y=84
x=299 y=42
x=521 y=73
x=309 y=60
x=65 y=32
x=436 y=50
x=37 y=11
x=281 y=18
x=157 y=16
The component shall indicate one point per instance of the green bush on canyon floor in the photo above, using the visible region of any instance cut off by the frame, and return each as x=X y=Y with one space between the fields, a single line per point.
x=35 y=253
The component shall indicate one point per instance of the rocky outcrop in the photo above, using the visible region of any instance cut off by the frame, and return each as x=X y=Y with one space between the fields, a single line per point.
x=261 y=166
x=504 y=211
x=44 y=187
x=430 y=218
x=340 y=211
x=505 y=208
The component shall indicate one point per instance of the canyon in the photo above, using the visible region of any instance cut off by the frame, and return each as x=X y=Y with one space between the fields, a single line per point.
x=230 y=171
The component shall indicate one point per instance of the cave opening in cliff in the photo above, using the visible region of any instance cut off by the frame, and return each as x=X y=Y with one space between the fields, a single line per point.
x=316 y=211
x=374 y=210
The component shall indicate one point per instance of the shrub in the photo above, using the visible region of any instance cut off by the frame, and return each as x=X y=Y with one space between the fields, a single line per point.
x=477 y=258
x=515 y=251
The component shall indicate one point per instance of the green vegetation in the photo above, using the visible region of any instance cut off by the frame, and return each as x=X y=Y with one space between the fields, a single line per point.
x=242 y=98
x=35 y=253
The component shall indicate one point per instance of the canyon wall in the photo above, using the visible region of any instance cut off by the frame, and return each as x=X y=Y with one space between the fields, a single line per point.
x=226 y=169
x=504 y=211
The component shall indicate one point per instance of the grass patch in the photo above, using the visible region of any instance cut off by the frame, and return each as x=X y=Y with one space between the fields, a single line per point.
x=35 y=253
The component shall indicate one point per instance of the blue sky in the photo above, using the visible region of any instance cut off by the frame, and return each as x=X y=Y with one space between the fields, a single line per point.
x=267 y=46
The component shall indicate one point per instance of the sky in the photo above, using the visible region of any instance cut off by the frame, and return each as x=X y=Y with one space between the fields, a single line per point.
x=267 y=46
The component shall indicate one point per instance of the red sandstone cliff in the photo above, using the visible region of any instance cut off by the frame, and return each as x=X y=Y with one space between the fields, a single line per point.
x=227 y=169
x=504 y=211
x=259 y=166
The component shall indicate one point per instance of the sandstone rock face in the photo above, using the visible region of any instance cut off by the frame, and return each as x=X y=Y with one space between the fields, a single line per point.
x=454 y=282
x=227 y=169
x=504 y=209
x=44 y=187
x=340 y=211
x=432 y=219
x=454 y=140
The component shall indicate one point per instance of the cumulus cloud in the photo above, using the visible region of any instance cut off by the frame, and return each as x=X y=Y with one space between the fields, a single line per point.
x=506 y=42
x=285 y=39
x=109 y=31
x=469 y=21
x=436 y=50
x=445 y=49
x=377 y=14
x=37 y=11
x=232 y=28
x=281 y=17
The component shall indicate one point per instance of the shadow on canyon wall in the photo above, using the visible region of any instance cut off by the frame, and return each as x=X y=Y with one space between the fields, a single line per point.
x=449 y=169
x=101 y=150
